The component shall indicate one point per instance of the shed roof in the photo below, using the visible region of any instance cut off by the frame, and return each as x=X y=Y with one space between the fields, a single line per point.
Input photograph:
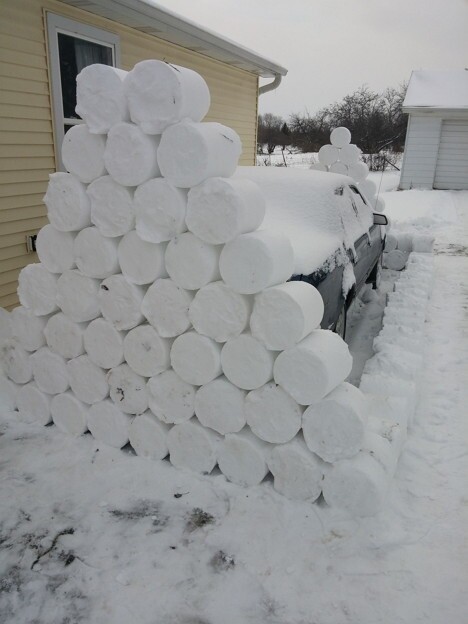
x=147 y=17
x=447 y=89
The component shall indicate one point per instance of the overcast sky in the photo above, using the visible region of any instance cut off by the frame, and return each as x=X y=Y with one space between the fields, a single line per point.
x=331 y=47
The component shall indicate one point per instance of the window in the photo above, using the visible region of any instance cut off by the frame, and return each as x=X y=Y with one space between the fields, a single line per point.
x=73 y=46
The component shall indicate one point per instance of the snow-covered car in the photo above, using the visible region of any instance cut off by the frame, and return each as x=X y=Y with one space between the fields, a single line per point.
x=337 y=239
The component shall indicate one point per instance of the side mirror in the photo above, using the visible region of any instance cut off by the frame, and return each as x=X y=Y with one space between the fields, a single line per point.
x=380 y=219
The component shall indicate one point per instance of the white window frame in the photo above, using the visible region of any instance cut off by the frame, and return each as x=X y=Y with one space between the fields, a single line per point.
x=58 y=24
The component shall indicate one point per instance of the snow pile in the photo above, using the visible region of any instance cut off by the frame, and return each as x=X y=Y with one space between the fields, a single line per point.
x=399 y=244
x=221 y=363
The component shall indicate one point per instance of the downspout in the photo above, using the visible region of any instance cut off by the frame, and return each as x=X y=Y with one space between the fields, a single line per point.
x=271 y=86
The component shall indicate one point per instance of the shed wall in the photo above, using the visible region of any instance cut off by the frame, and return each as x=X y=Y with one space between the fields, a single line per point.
x=421 y=148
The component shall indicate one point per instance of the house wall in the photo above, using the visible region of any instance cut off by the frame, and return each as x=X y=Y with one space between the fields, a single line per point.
x=27 y=154
x=421 y=149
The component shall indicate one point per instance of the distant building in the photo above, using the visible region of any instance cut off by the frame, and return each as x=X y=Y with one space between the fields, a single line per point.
x=436 y=149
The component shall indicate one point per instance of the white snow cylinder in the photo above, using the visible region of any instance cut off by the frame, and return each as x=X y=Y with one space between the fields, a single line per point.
x=390 y=242
x=87 y=380
x=328 y=154
x=55 y=249
x=219 y=312
x=193 y=446
x=340 y=137
x=220 y=209
x=160 y=94
x=131 y=155
x=339 y=167
x=128 y=389
x=141 y=262
x=368 y=188
x=350 y=154
x=148 y=435
x=49 y=371
x=285 y=314
x=68 y=206
x=378 y=205
x=64 y=336
x=100 y=98
x=171 y=398
x=8 y=394
x=6 y=327
x=103 y=343
x=77 y=296
x=405 y=242
x=314 y=367
x=246 y=362
x=195 y=358
x=252 y=262
x=16 y=362
x=298 y=473
x=120 y=302
x=317 y=166
x=28 y=328
x=146 y=352
x=108 y=424
x=95 y=254
x=83 y=153
x=358 y=171
x=272 y=414
x=190 y=262
x=33 y=405
x=166 y=306
x=69 y=414
x=423 y=243
x=160 y=210
x=334 y=427
x=395 y=260
x=111 y=207
x=190 y=153
x=219 y=405
x=37 y=289
x=242 y=458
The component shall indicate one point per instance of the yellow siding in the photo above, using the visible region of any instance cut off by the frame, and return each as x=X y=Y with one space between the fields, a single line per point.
x=27 y=154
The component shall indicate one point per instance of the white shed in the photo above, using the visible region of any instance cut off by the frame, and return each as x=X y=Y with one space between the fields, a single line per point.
x=436 y=149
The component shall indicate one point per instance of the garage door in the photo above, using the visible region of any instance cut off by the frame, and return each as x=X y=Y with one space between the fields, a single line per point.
x=452 y=161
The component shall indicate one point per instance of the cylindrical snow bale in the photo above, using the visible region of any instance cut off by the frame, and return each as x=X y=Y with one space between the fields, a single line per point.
x=285 y=314
x=64 y=336
x=334 y=427
x=68 y=206
x=328 y=154
x=6 y=328
x=141 y=262
x=100 y=98
x=246 y=362
x=219 y=405
x=314 y=367
x=358 y=171
x=368 y=188
x=350 y=154
x=17 y=362
x=146 y=352
x=83 y=153
x=104 y=344
x=37 y=289
x=128 y=390
x=28 y=328
x=405 y=242
x=191 y=263
x=69 y=414
x=192 y=446
x=171 y=398
x=195 y=358
x=254 y=261
x=272 y=414
x=33 y=405
x=160 y=94
x=390 y=242
x=131 y=155
x=423 y=243
x=8 y=394
x=120 y=302
x=77 y=296
x=317 y=166
x=378 y=205
x=190 y=153
x=166 y=306
x=148 y=436
x=242 y=458
x=87 y=380
x=160 y=210
x=340 y=137
x=395 y=260
x=220 y=209
x=298 y=473
x=219 y=312
x=108 y=424
x=95 y=254
x=50 y=371
x=339 y=167
x=111 y=207
x=55 y=249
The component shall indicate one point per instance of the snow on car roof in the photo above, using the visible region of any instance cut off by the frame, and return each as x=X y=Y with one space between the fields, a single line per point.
x=437 y=89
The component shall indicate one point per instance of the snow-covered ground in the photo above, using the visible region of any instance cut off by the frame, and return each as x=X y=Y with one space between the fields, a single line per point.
x=95 y=535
